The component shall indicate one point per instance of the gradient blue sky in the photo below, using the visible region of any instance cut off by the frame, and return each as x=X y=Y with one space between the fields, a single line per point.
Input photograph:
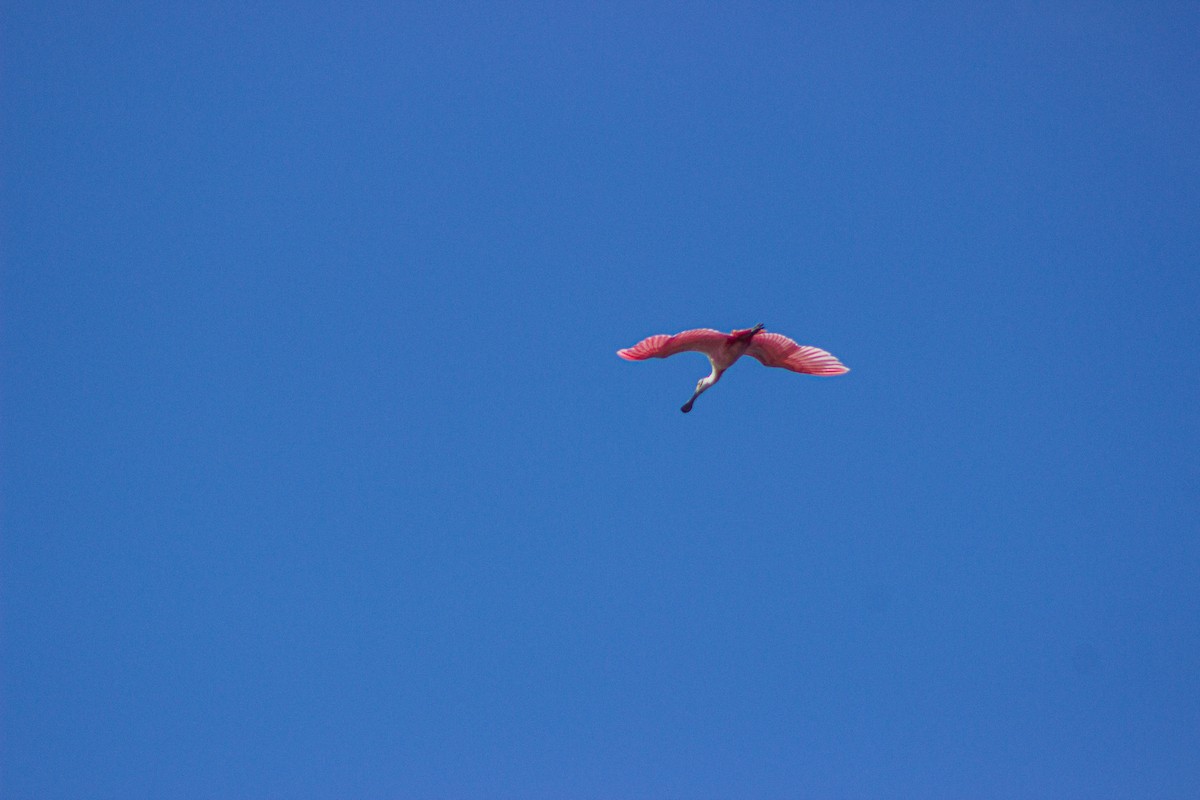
x=321 y=478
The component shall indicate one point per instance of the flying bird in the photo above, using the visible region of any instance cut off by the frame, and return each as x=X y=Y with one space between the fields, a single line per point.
x=722 y=349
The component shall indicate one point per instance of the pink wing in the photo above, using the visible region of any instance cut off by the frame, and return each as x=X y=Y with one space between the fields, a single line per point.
x=704 y=340
x=776 y=350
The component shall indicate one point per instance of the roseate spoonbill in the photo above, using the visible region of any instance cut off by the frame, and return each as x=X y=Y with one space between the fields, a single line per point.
x=722 y=349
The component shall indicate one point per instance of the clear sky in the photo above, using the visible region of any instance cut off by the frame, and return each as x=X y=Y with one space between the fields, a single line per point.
x=322 y=479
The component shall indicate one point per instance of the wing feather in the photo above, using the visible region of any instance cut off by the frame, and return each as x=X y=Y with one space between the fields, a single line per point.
x=703 y=340
x=777 y=350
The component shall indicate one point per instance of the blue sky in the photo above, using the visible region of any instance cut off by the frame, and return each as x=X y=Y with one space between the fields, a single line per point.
x=322 y=479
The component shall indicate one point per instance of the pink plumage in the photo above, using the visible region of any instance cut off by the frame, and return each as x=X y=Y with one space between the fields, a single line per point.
x=722 y=349
x=777 y=350
x=702 y=340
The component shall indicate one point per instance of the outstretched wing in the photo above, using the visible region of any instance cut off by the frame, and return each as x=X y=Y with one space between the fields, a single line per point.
x=704 y=340
x=776 y=350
